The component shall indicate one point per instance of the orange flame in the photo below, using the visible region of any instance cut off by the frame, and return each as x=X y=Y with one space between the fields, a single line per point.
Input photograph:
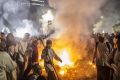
x=65 y=58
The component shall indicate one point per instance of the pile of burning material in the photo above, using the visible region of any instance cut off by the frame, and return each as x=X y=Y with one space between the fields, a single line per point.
x=82 y=70
x=73 y=67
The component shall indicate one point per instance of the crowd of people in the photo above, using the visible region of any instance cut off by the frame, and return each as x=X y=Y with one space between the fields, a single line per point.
x=107 y=56
x=19 y=58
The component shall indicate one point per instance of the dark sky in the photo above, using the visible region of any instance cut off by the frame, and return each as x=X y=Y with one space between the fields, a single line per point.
x=111 y=6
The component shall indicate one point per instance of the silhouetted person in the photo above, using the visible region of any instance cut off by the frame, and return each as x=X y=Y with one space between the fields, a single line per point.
x=101 y=50
x=48 y=54
x=37 y=73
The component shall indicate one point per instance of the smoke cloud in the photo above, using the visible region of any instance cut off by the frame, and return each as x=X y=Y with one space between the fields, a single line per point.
x=110 y=17
x=75 y=18
x=12 y=12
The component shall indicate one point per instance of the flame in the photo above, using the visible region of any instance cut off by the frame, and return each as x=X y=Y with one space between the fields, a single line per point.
x=73 y=63
x=65 y=58
x=62 y=72
x=91 y=64
x=67 y=61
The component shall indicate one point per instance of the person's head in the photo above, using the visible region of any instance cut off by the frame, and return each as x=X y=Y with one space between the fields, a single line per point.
x=101 y=39
x=2 y=36
x=48 y=43
x=10 y=37
x=27 y=36
x=11 y=47
x=29 y=52
x=2 y=46
x=35 y=42
x=115 y=34
x=37 y=69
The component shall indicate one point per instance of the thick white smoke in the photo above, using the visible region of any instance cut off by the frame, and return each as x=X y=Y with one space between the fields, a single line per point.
x=110 y=16
x=12 y=13
x=76 y=19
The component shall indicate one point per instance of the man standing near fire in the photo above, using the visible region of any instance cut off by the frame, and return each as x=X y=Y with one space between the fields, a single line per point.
x=48 y=54
x=100 y=55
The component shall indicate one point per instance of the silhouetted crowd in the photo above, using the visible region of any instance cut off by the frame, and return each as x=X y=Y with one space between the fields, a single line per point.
x=19 y=58
x=107 y=56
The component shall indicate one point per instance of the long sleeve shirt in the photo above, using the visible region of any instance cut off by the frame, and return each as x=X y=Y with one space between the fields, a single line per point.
x=7 y=65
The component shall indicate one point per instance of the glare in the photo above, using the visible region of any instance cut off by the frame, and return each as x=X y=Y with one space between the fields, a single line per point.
x=103 y=31
x=92 y=65
x=62 y=72
x=65 y=58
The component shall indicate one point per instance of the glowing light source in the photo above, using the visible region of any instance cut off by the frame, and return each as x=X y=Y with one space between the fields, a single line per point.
x=65 y=58
x=91 y=64
x=94 y=66
x=62 y=72
x=103 y=31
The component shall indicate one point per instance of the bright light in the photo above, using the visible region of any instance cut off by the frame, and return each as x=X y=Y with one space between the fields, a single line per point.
x=48 y=16
x=62 y=72
x=101 y=17
x=91 y=64
x=103 y=31
x=94 y=66
x=65 y=58
x=20 y=32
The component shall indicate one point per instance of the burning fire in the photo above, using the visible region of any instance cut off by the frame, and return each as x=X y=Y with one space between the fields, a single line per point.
x=73 y=64
x=65 y=58
x=91 y=64
x=67 y=62
x=62 y=72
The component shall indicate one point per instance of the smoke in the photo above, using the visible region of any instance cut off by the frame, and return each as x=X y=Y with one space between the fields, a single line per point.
x=75 y=18
x=13 y=13
x=111 y=16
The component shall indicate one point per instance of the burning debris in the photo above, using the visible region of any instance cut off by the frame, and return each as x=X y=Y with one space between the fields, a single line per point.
x=72 y=27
